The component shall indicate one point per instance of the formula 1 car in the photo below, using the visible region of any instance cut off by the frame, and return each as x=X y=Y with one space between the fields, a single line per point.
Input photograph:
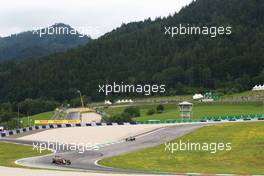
x=60 y=161
x=131 y=138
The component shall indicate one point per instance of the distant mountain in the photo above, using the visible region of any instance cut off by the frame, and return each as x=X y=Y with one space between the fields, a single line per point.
x=42 y=42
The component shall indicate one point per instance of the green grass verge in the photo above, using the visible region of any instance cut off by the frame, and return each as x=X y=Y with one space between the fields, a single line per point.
x=199 y=110
x=243 y=94
x=246 y=156
x=9 y=153
x=29 y=121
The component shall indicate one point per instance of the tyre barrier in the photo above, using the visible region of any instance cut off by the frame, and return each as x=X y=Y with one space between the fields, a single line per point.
x=3 y=134
x=236 y=117
x=34 y=128
x=244 y=117
x=51 y=126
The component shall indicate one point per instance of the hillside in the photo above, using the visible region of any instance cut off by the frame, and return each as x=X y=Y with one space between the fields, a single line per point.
x=139 y=52
x=36 y=44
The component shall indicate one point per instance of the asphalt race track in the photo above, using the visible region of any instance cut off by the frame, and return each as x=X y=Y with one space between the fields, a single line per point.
x=87 y=160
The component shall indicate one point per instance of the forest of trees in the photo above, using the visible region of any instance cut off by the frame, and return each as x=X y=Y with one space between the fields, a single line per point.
x=139 y=52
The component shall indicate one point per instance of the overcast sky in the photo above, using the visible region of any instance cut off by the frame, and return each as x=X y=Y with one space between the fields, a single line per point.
x=90 y=16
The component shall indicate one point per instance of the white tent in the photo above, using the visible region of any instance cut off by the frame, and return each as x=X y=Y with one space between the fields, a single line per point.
x=107 y=102
x=198 y=96
x=258 y=87
x=124 y=101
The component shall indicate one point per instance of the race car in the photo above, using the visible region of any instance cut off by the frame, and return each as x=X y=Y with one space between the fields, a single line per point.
x=131 y=138
x=60 y=160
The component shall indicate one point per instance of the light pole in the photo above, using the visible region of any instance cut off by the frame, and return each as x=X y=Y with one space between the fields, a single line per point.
x=18 y=121
x=82 y=104
x=29 y=124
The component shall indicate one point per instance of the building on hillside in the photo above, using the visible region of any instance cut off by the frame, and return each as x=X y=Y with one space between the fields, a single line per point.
x=86 y=115
x=185 y=109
